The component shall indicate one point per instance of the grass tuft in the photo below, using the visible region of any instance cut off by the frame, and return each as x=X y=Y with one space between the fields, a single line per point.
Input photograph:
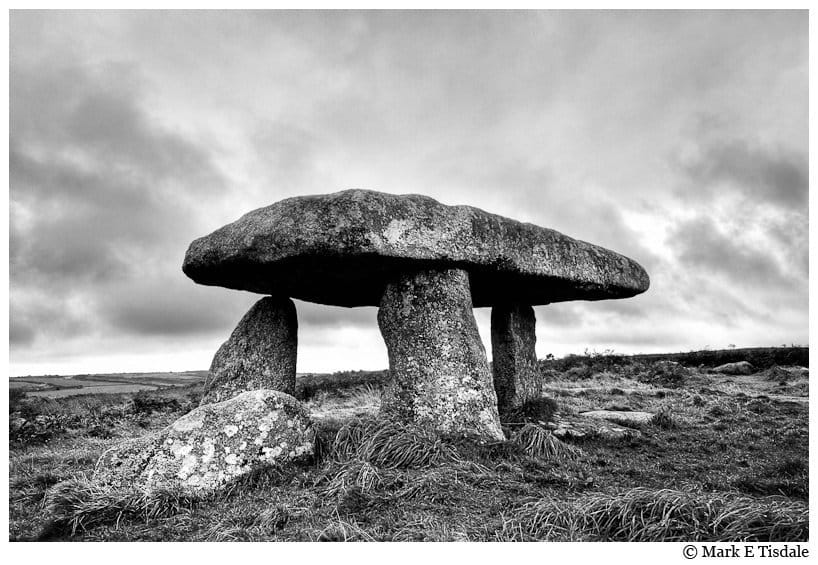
x=354 y=474
x=538 y=442
x=79 y=504
x=643 y=514
x=391 y=445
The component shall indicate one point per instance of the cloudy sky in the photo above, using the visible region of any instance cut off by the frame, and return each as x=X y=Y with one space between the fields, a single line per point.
x=679 y=139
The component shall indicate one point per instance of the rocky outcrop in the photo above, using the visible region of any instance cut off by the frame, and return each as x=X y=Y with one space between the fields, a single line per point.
x=213 y=445
x=344 y=248
x=739 y=368
x=439 y=373
x=514 y=360
x=260 y=353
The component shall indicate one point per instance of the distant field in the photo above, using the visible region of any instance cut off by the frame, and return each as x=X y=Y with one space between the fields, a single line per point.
x=309 y=384
x=60 y=386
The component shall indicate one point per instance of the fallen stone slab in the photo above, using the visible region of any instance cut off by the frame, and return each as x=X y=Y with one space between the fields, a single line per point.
x=578 y=427
x=212 y=445
x=586 y=390
x=739 y=368
x=260 y=353
x=619 y=416
x=344 y=248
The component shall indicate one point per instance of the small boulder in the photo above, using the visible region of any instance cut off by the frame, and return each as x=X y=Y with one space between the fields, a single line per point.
x=620 y=416
x=213 y=445
x=739 y=368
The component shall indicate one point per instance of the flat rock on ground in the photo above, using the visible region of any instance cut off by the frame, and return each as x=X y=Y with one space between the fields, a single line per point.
x=213 y=445
x=580 y=427
x=619 y=416
x=739 y=368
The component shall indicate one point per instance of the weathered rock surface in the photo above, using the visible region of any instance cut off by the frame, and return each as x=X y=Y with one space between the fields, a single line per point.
x=344 y=248
x=213 y=445
x=260 y=353
x=439 y=372
x=619 y=416
x=580 y=427
x=514 y=360
x=739 y=368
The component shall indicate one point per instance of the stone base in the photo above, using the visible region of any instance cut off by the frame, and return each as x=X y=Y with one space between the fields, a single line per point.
x=440 y=376
x=260 y=353
x=514 y=363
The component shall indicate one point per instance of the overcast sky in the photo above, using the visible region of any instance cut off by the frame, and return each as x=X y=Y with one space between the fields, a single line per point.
x=679 y=139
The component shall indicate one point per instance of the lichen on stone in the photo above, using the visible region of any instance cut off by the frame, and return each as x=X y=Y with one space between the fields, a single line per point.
x=212 y=451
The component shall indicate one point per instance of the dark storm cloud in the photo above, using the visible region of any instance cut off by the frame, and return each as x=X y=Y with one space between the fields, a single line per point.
x=777 y=176
x=37 y=314
x=702 y=248
x=173 y=306
x=537 y=194
x=134 y=132
x=97 y=192
x=790 y=232
x=177 y=307
x=286 y=156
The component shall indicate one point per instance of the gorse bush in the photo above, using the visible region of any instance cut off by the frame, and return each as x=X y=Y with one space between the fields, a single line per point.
x=664 y=373
x=16 y=397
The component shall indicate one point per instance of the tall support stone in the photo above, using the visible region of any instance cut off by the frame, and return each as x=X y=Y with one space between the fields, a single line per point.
x=439 y=372
x=514 y=361
x=260 y=353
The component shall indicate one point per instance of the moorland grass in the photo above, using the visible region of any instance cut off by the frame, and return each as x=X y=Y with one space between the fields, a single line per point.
x=642 y=514
x=707 y=476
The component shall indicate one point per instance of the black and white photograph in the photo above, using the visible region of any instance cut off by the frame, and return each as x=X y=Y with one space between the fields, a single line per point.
x=410 y=275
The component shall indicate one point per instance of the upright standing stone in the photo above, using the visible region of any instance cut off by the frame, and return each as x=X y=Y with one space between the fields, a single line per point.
x=514 y=361
x=260 y=353
x=439 y=372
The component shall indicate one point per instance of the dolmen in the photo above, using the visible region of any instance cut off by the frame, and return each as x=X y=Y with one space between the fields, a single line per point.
x=425 y=265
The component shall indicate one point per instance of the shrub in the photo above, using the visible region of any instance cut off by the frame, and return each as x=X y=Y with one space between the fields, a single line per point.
x=144 y=402
x=16 y=397
x=665 y=373
x=663 y=418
